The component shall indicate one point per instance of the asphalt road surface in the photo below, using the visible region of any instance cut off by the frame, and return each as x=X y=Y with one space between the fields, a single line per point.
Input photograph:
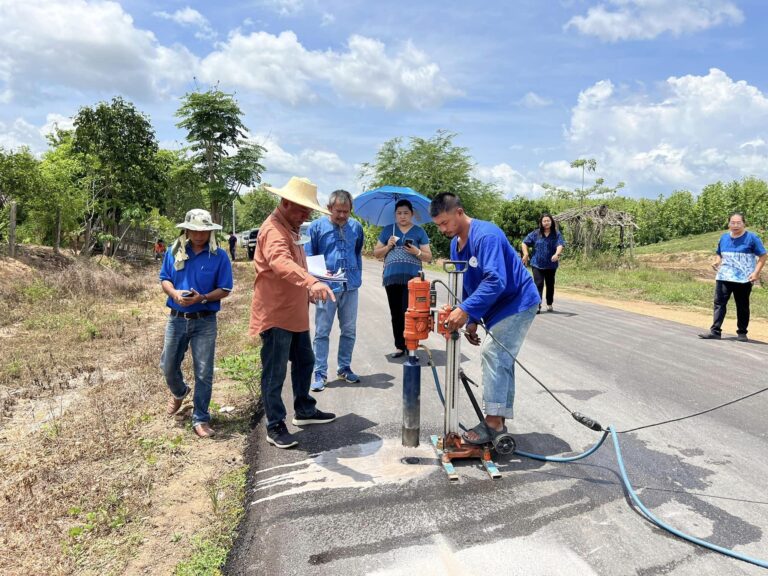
x=346 y=502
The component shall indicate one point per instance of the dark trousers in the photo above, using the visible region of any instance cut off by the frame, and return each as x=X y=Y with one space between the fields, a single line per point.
x=397 y=296
x=232 y=252
x=546 y=276
x=278 y=347
x=741 y=292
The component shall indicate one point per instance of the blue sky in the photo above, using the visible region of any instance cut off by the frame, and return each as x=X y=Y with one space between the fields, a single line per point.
x=665 y=94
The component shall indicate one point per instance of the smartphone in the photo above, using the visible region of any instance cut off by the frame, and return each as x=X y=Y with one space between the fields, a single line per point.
x=186 y=293
x=408 y=242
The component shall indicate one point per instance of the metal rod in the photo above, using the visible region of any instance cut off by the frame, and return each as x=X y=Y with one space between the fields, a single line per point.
x=452 y=362
x=411 y=400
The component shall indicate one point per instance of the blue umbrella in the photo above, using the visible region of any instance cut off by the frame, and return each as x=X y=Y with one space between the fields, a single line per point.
x=377 y=206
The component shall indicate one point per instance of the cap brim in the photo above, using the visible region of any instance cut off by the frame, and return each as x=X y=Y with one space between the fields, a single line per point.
x=310 y=205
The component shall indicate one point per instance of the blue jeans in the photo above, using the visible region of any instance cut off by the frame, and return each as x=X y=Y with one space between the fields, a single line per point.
x=200 y=336
x=278 y=347
x=499 y=367
x=346 y=305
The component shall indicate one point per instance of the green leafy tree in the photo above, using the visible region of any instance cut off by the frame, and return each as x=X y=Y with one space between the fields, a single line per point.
x=518 y=217
x=599 y=190
x=20 y=182
x=119 y=149
x=257 y=205
x=430 y=166
x=678 y=214
x=224 y=159
x=184 y=186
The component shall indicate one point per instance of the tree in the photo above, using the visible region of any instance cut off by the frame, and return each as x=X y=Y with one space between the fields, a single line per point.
x=431 y=166
x=19 y=181
x=517 y=217
x=597 y=191
x=214 y=128
x=257 y=205
x=118 y=148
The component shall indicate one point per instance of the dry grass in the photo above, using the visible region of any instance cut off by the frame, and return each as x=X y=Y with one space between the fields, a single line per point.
x=83 y=440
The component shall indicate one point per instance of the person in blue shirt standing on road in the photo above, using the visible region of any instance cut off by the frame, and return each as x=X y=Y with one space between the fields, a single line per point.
x=499 y=292
x=547 y=244
x=740 y=260
x=196 y=275
x=339 y=239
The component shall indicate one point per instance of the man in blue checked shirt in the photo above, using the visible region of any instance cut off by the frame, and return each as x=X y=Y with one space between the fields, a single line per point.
x=196 y=275
x=497 y=291
x=340 y=240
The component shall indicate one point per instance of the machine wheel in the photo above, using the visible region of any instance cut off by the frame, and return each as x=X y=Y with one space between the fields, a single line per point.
x=504 y=444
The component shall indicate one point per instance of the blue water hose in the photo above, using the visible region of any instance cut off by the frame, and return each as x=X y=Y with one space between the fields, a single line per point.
x=625 y=480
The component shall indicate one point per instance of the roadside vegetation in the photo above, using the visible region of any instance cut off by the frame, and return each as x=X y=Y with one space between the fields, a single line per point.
x=95 y=479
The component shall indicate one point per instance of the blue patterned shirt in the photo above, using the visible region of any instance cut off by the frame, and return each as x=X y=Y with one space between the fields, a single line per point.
x=544 y=247
x=738 y=256
x=342 y=247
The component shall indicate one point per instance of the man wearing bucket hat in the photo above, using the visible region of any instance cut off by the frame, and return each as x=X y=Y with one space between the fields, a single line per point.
x=282 y=292
x=196 y=275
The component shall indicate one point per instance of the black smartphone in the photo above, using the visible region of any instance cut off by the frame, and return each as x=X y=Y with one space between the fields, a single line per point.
x=408 y=242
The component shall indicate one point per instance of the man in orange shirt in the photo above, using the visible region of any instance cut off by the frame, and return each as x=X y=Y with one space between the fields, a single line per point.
x=282 y=292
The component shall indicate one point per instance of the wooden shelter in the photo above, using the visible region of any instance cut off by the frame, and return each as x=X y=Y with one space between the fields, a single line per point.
x=598 y=227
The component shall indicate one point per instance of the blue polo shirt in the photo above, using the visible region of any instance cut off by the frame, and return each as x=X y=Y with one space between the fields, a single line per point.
x=544 y=247
x=204 y=272
x=496 y=284
x=342 y=247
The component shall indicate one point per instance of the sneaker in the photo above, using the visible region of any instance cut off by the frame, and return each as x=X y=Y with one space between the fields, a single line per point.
x=349 y=376
x=742 y=338
x=317 y=418
x=710 y=336
x=279 y=436
x=318 y=384
x=549 y=308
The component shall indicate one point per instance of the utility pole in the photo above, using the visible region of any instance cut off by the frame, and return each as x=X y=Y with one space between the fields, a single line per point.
x=12 y=232
x=233 y=215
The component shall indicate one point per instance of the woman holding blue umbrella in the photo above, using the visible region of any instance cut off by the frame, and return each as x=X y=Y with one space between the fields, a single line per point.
x=404 y=247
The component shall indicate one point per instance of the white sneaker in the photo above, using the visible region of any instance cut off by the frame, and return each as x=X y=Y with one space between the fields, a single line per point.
x=549 y=308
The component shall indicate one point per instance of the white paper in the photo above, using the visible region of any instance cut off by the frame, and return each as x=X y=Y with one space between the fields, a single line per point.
x=316 y=267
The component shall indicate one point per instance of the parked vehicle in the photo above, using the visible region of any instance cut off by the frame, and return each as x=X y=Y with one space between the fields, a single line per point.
x=252 y=236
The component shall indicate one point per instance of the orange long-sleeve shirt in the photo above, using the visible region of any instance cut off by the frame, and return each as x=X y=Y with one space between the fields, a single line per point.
x=281 y=288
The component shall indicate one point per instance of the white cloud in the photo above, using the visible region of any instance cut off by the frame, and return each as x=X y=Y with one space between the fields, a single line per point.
x=698 y=130
x=533 y=100
x=324 y=167
x=56 y=121
x=327 y=19
x=190 y=17
x=285 y=7
x=508 y=180
x=20 y=132
x=616 y=20
x=49 y=45
x=281 y=68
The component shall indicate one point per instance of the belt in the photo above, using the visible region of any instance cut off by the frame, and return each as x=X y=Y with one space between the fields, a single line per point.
x=191 y=315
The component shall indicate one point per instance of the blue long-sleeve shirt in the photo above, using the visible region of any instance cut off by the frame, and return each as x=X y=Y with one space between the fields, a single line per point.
x=496 y=284
x=544 y=247
x=342 y=247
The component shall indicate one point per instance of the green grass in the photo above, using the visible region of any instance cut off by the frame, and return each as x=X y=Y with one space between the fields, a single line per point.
x=227 y=495
x=706 y=242
x=650 y=285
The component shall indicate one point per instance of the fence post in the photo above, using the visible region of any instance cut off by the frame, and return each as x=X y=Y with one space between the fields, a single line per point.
x=12 y=232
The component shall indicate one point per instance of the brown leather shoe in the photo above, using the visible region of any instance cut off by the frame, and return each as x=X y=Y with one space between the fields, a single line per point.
x=203 y=430
x=175 y=403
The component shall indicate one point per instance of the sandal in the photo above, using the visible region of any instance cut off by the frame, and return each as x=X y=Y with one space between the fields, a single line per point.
x=485 y=434
x=175 y=403
x=204 y=430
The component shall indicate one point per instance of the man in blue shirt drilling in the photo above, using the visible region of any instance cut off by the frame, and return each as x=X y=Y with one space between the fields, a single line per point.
x=340 y=240
x=196 y=275
x=740 y=259
x=499 y=292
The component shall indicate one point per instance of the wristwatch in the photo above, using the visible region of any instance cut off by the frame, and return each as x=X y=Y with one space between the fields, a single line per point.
x=204 y=300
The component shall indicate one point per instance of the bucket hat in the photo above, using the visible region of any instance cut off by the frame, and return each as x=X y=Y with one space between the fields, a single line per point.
x=300 y=191
x=199 y=220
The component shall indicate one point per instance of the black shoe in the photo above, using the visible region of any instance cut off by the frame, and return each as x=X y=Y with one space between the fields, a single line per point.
x=710 y=336
x=742 y=338
x=279 y=436
x=317 y=418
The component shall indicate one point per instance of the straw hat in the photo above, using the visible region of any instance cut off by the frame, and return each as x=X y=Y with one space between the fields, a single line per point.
x=300 y=191
x=199 y=220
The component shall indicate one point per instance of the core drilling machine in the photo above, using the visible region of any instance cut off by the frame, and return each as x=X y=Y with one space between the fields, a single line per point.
x=422 y=317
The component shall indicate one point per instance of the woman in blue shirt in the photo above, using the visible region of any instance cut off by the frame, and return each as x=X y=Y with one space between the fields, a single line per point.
x=404 y=246
x=547 y=243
